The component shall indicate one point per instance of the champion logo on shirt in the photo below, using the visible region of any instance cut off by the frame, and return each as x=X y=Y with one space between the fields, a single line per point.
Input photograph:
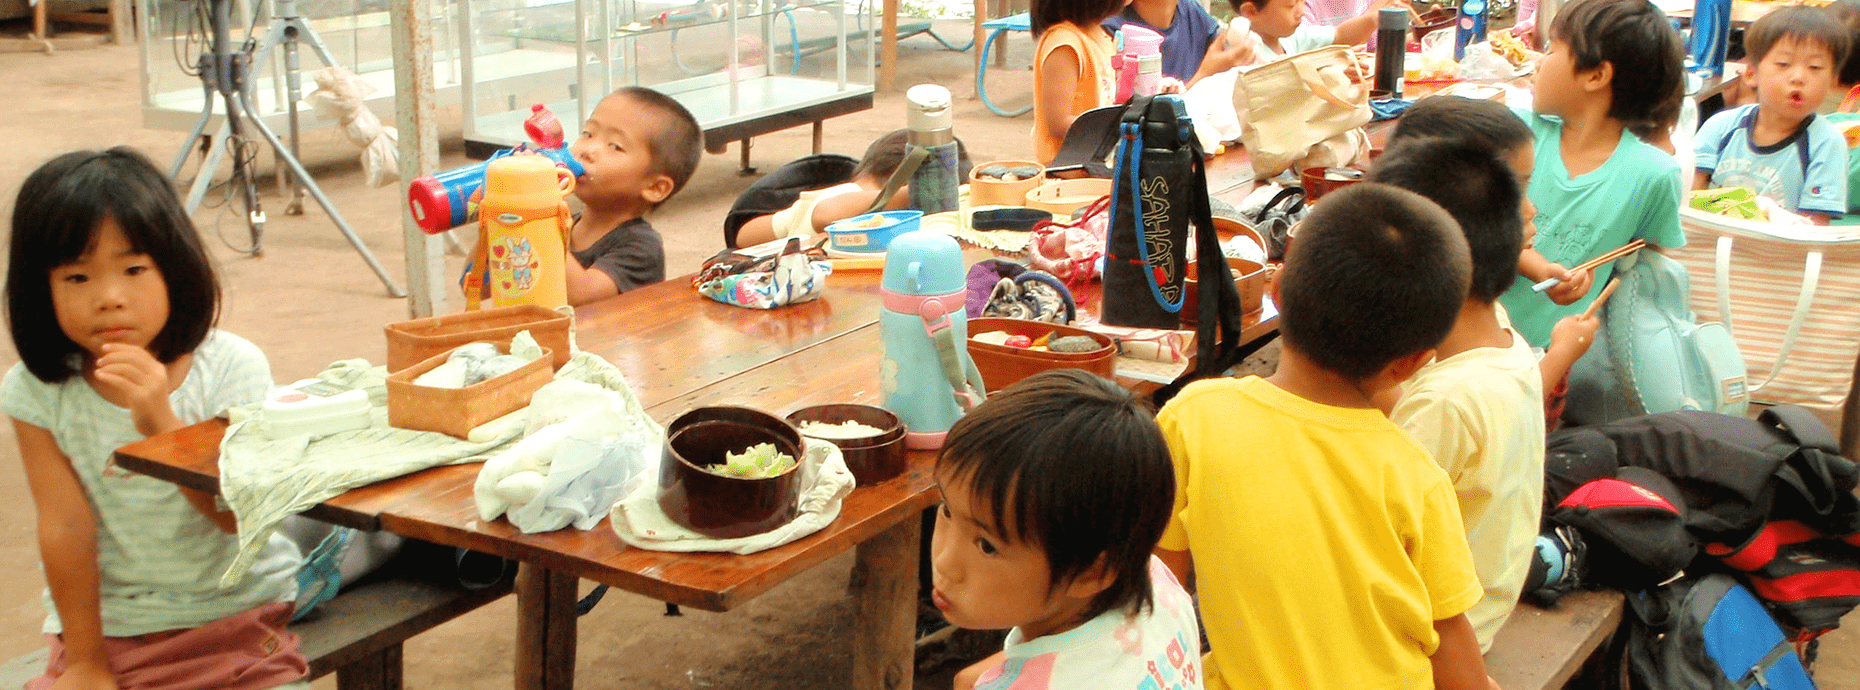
x=1815 y=190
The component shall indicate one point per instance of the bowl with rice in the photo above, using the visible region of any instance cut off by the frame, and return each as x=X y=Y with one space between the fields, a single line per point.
x=729 y=472
x=871 y=438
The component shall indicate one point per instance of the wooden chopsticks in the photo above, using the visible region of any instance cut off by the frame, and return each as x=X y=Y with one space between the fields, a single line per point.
x=1625 y=250
x=1607 y=290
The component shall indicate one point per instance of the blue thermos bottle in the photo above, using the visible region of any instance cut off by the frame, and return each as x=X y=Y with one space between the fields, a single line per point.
x=1711 y=36
x=1470 y=28
x=926 y=376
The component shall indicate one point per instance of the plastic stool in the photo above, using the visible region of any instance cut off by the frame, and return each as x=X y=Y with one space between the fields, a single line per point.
x=997 y=28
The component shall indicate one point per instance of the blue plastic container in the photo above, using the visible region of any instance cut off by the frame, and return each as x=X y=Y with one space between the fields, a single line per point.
x=863 y=234
x=1470 y=28
x=1711 y=36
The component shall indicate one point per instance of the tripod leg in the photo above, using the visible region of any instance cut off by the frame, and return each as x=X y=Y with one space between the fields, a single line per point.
x=234 y=143
x=294 y=193
x=309 y=184
x=203 y=178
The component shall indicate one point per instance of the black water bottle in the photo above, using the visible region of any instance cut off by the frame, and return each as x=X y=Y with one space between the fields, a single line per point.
x=1391 y=49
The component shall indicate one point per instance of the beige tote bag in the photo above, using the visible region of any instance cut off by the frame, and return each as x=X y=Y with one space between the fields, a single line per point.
x=1300 y=101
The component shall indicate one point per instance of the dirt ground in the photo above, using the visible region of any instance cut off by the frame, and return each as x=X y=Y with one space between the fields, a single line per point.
x=310 y=300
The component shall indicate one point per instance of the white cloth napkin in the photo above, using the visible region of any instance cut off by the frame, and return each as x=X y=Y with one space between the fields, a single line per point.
x=825 y=481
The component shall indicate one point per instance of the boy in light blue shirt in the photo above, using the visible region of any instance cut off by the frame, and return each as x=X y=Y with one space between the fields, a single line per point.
x=1612 y=64
x=1777 y=146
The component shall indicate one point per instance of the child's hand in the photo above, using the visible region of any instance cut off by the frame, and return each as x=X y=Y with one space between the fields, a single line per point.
x=128 y=374
x=1378 y=5
x=85 y=677
x=1575 y=284
x=1169 y=85
x=1227 y=52
x=1577 y=332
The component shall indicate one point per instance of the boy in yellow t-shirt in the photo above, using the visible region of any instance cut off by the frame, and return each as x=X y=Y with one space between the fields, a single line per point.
x=1324 y=542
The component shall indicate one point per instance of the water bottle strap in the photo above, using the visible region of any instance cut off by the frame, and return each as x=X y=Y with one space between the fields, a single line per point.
x=913 y=158
x=964 y=379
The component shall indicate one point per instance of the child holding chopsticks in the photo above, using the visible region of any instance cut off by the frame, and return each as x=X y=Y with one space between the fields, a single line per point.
x=1490 y=126
x=1612 y=65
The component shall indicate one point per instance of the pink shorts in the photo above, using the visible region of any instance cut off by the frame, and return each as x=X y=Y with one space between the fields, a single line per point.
x=248 y=651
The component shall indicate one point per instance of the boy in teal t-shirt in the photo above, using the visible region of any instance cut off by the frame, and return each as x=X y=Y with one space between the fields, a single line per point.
x=1612 y=64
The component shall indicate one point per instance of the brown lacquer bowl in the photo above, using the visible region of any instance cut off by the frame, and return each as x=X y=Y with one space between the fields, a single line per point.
x=872 y=459
x=720 y=506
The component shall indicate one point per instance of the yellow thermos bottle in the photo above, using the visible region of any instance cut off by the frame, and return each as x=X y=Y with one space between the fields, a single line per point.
x=523 y=224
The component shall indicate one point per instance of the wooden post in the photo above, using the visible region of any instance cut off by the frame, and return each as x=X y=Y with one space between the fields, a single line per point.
x=981 y=15
x=122 y=22
x=888 y=54
x=545 y=629
x=415 y=104
x=884 y=584
x=378 y=671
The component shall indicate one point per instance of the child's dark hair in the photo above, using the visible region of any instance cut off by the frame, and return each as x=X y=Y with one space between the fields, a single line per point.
x=60 y=208
x=1848 y=12
x=1086 y=14
x=1481 y=193
x=1799 y=23
x=1076 y=465
x=678 y=145
x=886 y=154
x=1635 y=37
x=1258 y=5
x=1484 y=123
x=1375 y=274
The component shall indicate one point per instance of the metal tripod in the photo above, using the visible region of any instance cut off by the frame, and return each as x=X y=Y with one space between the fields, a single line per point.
x=225 y=73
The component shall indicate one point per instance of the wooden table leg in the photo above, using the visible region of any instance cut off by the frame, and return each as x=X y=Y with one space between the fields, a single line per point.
x=884 y=584
x=888 y=52
x=981 y=16
x=545 y=629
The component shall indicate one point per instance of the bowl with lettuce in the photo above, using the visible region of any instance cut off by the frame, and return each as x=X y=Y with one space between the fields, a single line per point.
x=730 y=472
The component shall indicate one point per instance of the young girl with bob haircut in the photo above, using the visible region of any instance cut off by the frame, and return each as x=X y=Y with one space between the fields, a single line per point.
x=1071 y=66
x=1055 y=491
x=111 y=302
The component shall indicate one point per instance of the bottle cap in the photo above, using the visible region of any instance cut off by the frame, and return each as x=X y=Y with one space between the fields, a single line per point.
x=542 y=127
x=1140 y=41
x=928 y=108
x=1392 y=19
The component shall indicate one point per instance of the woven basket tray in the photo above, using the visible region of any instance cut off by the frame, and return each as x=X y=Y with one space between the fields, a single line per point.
x=410 y=342
x=456 y=411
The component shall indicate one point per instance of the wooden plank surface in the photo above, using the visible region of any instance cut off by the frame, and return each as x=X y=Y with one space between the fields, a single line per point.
x=668 y=340
x=376 y=615
x=1540 y=649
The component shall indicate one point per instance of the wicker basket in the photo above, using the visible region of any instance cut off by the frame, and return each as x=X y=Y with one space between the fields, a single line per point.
x=1002 y=366
x=1065 y=197
x=1250 y=281
x=410 y=342
x=989 y=191
x=456 y=411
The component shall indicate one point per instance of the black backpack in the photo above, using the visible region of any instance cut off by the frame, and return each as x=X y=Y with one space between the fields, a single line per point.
x=1735 y=474
x=781 y=188
x=1708 y=634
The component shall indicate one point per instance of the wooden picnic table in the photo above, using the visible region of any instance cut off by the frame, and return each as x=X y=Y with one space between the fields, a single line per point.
x=678 y=351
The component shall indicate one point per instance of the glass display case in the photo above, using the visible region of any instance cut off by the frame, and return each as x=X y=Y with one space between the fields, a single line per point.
x=743 y=67
x=352 y=34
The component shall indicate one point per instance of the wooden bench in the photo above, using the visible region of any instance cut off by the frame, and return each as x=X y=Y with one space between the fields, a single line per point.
x=1542 y=649
x=356 y=635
